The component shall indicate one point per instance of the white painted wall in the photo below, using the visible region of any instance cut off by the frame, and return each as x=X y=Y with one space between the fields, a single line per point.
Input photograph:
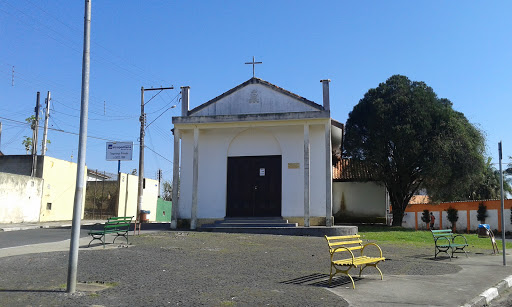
x=359 y=199
x=461 y=223
x=408 y=220
x=128 y=197
x=255 y=99
x=216 y=144
x=492 y=219
x=59 y=190
x=20 y=198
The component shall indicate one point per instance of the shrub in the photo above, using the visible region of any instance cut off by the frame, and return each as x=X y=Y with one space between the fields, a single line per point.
x=425 y=217
x=453 y=216
x=481 y=213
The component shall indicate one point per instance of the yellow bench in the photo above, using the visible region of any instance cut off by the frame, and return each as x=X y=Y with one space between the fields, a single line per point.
x=346 y=245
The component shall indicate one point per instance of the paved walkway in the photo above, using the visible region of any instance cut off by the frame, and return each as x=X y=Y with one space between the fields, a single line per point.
x=478 y=274
x=251 y=269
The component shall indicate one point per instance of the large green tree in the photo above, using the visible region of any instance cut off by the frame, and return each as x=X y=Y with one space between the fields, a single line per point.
x=488 y=185
x=413 y=139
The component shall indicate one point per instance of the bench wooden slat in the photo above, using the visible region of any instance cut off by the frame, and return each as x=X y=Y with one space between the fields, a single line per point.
x=345 y=243
x=359 y=260
x=342 y=237
x=344 y=249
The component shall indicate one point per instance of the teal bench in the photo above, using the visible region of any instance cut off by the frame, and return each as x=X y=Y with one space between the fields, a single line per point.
x=114 y=225
x=446 y=241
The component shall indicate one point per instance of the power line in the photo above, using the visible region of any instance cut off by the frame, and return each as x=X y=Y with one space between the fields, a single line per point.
x=59 y=130
x=158 y=154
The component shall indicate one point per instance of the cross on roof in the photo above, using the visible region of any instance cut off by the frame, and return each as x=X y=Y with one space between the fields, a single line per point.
x=253 y=63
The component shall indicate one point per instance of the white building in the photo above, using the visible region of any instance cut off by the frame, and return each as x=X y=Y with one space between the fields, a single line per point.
x=255 y=151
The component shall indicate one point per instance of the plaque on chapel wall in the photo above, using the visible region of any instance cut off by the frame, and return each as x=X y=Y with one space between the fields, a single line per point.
x=293 y=165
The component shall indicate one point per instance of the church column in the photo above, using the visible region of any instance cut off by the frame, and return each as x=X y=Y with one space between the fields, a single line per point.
x=195 y=178
x=306 y=176
x=175 y=179
x=328 y=175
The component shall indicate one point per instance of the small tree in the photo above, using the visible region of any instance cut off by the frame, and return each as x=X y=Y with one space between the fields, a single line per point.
x=453 y=217
x=27 y=142
x=481 y=213
x=425 y=217
x=167 y=186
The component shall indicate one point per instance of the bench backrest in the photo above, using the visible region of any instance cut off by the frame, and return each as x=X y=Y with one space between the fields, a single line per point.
x=442 y=233
x=118 y=223
x=352 y=242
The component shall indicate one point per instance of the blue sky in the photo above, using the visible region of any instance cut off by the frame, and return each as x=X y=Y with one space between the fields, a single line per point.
x=461 y=49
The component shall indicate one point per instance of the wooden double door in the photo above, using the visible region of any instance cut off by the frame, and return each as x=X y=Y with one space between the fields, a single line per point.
x=254 y=186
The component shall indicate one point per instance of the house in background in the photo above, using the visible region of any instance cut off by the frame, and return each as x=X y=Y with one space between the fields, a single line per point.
x=95 y=175
x=49 y=195
x=257 y=150
x=46 y=196
x=357 y=196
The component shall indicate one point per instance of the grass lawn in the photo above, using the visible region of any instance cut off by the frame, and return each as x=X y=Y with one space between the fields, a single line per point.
x=418 y=237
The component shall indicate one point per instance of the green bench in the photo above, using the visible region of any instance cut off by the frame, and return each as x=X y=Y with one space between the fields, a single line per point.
x=114 y=225
x=445 y=241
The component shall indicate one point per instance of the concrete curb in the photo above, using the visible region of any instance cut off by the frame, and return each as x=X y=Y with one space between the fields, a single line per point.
x=488 y=295
x=20 y=228
x=28 y=227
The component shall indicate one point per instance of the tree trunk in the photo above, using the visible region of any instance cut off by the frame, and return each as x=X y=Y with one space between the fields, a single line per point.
x=398 y=216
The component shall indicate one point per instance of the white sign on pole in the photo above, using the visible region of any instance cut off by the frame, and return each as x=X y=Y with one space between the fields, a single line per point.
x=119 y=151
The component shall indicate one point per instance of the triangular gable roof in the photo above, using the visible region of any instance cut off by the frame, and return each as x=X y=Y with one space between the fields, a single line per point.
x=261 y=82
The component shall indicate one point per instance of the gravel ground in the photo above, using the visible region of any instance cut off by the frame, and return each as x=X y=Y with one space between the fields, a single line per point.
x=174 y=268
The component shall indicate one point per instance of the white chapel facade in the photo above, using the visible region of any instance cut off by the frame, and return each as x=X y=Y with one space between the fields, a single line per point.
x=256 y=150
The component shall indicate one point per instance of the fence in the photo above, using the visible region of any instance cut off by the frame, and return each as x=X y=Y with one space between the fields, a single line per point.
x=467 y=212
x=102 y=192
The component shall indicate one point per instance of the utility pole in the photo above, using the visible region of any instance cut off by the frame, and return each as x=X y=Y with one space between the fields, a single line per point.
x=46 y=117
x=142 y=120
x=0 y=136
x=82 y=142
x=159 y=174
x=500 y=150
x=35 y=128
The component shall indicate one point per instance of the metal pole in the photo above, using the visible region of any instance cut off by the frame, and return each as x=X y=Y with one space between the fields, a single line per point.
x=35 y=127
x=159 y=180
x=82 y=142
x=46 y=117
x=0 y=136
x=502 y=206
x=141 y=154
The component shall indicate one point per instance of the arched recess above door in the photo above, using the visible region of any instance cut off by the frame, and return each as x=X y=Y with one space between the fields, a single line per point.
x=254 y=142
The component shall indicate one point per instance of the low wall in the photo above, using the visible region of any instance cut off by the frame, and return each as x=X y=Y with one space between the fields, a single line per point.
x=128 y=196
x=358 y=200
x=20 y=198
x=163 y=210
x=467 y=212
